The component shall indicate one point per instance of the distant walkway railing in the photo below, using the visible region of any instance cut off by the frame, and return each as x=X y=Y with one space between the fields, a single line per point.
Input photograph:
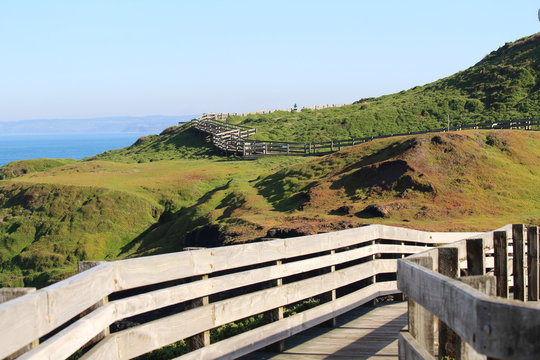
x=224 y=116
x=233 y=139
x=462 y=292
x=209 y=288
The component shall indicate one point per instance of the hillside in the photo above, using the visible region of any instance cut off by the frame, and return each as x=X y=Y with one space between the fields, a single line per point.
x=504 y=85
x=173 y=190
x=469 y=180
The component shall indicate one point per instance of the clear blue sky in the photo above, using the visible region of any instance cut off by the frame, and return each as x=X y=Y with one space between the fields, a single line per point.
x=75 y=59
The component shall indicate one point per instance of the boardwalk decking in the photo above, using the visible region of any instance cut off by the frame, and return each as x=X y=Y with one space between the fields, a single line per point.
x=364 y=333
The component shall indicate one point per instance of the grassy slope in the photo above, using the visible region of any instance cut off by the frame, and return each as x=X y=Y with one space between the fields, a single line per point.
x=177 y=142
x=504 y=85
x=169 y=190
x=21 y=167
x=105 y=210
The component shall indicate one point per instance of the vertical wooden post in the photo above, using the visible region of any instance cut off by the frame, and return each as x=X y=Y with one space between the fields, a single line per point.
x=532 y=263
x=202 y=339
x=449 y=341
x=329 y=296
x=476 y=260
x=275 y=315
x=519 y=262
x=500 y=245
x=83 y=266
x=7 y=294
x=421 y=321
x=487 y=285
x=332 y=145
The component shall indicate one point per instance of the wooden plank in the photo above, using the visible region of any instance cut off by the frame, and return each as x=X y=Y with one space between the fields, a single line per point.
x=533 y=259
x=52 y=306
x=7 y=294
x=486 y=284
x=84 y=266
x=250 y=341
x=143 y=338
x=476 y=259
x=161 y=298
x=276 y=315
x=410 y=349
x=449 y=341
x=518 y=261
x=475 y=317
x=421 y=321
x=500 y=243
x=202 y=339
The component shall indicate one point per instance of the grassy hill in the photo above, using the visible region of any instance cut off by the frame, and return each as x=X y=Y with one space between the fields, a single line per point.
x=173 y=190
x=504 y=85
x=473 y=180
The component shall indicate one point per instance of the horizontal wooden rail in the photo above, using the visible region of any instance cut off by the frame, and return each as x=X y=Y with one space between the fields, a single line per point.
x=52 y=307
x=232 y=138
x=496 y=327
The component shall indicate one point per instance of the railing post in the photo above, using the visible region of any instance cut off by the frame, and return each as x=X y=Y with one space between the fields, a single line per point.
x=202 y=339
x=500 y=245
x=7 y=294
x=83 y=266
x=329 y=296
x=519 y=262
x=421 y=321
x=532 y=263
x=487 y=285
x=449 y=341
x=476 y=259
x=275 y=315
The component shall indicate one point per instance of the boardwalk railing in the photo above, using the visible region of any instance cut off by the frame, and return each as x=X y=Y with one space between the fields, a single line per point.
x=467 y=299
x=209 y=288
x=234 y=139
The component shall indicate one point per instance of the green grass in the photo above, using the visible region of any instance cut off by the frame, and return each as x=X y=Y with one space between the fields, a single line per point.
x=503 y=86
x=22 y=167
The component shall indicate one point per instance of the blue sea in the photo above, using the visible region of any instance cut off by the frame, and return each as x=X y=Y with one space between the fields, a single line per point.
x=73 y=146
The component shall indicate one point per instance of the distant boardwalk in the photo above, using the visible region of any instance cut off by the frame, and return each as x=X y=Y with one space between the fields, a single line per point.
x=234 y=139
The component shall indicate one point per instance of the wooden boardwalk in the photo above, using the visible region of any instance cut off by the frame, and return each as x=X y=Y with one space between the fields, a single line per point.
x=363 y=333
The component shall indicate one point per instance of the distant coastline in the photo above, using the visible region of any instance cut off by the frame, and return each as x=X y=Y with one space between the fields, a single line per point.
x=110 y=125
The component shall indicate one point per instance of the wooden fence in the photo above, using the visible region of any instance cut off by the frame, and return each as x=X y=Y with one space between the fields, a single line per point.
x=234 y=139
x=209 y=288
x=474 y=299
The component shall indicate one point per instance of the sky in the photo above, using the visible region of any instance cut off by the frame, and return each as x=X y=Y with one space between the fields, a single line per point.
x=83 y=59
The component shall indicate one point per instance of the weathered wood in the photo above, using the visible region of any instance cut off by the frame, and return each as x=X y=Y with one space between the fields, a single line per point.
x=476 y=259
x=449 y=341
x=421 y=321
x=533 y=259
x=143 y=338
x=52 y=306
x=518 y=261
x=202 y=339
x=411 y=349
x=258 y=338
x=276 y=315
x=500 y=243
x=7 y=294
x=475 y=317
x=160 y=298
x=486 y=284
x=329 y=296
x=83 y=266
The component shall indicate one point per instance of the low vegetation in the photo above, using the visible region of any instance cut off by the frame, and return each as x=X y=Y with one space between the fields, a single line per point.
x=503 y=86
x=173 y=190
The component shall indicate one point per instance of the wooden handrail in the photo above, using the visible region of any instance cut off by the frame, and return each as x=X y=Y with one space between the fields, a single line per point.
x=497 y=327
x=33 y=316
x=241 y=145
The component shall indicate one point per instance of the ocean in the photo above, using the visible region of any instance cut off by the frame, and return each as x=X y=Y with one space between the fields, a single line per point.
x=73 y=146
